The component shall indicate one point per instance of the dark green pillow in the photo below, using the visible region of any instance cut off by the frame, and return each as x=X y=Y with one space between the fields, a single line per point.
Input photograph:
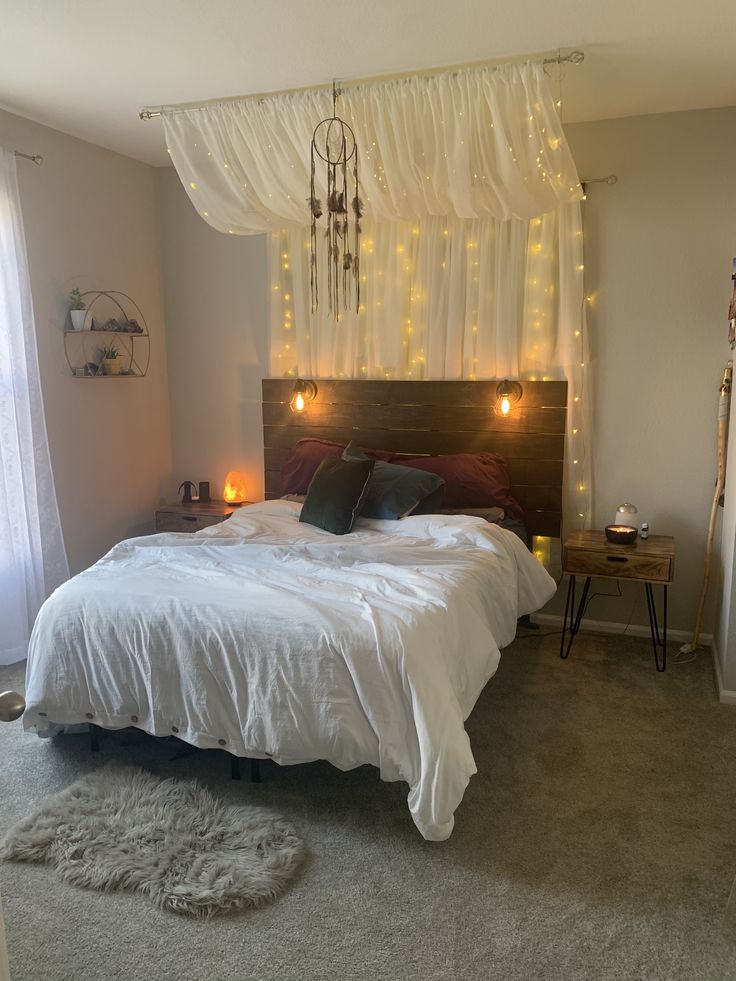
x=336 y=493
x=395 y=491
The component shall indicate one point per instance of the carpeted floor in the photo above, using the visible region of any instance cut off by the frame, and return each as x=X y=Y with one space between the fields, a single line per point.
x=598 y=841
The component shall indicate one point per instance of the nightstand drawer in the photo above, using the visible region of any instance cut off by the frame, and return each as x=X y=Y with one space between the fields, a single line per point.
x=173 y=521
x=645 y=568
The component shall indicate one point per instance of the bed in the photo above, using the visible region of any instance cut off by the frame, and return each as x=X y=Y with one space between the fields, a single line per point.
x=269 y=638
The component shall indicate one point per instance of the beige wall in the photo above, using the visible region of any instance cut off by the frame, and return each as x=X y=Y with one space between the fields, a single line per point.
x=658 y=252
x=658 y=263
x=215 y=289
x=89 y=218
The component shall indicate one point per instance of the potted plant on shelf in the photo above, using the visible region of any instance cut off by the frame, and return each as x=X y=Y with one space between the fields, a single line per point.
x=77 y=309
x=111 y=360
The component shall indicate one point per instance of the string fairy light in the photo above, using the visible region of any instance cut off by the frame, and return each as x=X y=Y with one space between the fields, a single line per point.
x=413 y=297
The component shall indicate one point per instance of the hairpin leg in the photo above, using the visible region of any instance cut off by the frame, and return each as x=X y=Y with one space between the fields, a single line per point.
x=658 y=641
x=575 y=618
x=94 y=738
x=569 y=605
x=255 y=771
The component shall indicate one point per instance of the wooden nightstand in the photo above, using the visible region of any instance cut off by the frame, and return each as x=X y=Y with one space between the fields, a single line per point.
x=650 y=561
x=192 y=517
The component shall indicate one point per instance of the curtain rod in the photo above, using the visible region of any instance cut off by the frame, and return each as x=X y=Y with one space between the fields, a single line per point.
x=148 y=112
x=35 y=157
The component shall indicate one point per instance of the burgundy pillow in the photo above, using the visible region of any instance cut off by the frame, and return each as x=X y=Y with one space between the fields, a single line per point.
x=306 y=455
x=472 y=480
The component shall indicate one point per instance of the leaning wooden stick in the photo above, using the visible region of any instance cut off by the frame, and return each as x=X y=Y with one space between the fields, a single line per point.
x=723 y=404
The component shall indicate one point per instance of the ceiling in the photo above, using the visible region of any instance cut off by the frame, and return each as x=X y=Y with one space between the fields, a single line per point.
x=87 y=66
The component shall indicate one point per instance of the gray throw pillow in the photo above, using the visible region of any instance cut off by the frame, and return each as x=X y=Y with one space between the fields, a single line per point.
x=395 y=491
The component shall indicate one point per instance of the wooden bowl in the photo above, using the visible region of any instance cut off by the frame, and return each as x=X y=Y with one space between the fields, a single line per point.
x=621 y=534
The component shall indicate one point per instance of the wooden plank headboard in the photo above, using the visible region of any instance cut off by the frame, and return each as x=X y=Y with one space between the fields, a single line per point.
x=431 y=417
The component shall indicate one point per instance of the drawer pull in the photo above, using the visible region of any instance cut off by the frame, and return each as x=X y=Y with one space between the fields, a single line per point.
x=617 y=558
x=189 y=517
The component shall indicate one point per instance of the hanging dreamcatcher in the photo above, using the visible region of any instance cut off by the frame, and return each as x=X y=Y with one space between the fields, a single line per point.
x=333 y=143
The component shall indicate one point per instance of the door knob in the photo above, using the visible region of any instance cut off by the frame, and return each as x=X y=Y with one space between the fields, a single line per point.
x=12 y=706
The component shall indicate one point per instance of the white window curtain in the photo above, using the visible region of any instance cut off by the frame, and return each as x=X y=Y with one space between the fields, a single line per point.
x=32 y=557
x=472 y=250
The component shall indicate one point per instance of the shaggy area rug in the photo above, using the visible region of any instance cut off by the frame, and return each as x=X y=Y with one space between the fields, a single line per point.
x=122 y=828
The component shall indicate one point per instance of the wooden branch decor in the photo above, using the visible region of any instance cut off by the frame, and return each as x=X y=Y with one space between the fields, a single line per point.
x=724 y=402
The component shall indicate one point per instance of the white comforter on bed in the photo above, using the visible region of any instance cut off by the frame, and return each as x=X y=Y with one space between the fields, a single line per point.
x=291 y=643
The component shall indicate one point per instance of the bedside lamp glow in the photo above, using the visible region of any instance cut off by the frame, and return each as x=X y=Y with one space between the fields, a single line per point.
x=234 y=492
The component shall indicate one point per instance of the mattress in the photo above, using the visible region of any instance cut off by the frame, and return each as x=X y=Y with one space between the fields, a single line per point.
x=273 y=639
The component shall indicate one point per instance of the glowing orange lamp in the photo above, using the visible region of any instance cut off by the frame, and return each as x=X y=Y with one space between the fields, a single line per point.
x=234 y=492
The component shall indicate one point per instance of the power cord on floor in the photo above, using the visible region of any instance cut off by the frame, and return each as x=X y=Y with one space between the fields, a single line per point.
x=534 y=634
x=681 y=658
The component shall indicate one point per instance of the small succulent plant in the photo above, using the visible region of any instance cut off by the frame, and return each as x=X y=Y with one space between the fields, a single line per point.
x=109 y=352
x=75 y=300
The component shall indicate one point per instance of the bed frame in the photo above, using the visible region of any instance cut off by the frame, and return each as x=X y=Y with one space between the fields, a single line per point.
x=424 y=417
x=432 y=417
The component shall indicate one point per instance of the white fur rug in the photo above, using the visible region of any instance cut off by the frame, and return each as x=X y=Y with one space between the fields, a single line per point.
x=173 y=841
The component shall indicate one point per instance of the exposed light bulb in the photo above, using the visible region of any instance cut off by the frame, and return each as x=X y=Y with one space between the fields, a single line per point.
x=505 y=406
x=299 y=402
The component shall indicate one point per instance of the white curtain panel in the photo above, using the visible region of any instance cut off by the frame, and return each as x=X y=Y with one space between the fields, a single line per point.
x=32 y=557
x=448 y=298
x=472 y=249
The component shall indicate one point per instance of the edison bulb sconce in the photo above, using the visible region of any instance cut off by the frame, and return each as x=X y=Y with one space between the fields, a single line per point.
x=304 y=393
x=508 y=393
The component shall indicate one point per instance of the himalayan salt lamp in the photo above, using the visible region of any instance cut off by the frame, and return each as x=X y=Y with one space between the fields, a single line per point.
x=234 y=492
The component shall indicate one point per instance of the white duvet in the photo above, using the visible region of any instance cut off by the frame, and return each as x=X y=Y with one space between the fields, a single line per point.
x=291 y=643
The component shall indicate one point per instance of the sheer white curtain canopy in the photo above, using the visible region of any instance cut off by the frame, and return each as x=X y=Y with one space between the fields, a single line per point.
x=471 y=255
x=475 y=143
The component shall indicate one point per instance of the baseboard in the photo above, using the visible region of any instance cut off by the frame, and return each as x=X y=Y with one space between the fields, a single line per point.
x=632 y=630
x=726 y=696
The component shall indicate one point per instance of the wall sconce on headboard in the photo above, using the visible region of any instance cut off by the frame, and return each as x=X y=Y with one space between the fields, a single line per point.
x=507 y=394
x=304 y=393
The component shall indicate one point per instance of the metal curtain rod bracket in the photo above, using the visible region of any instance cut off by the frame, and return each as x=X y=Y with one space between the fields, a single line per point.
x=573 y=58
x=35 y=157
x=611 y=179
